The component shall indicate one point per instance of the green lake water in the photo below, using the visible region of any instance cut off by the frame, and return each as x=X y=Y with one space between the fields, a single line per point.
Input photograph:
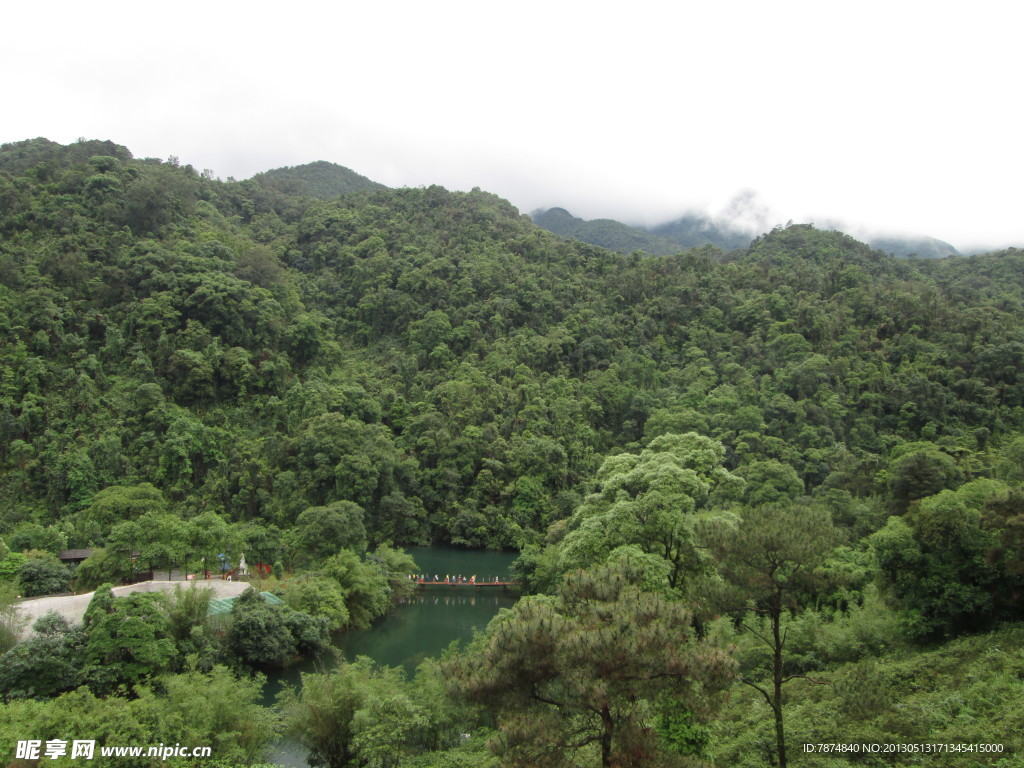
x=416 y=629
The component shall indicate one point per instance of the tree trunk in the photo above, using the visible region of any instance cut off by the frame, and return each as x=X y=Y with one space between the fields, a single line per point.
x=606 y=737
x=780 y=737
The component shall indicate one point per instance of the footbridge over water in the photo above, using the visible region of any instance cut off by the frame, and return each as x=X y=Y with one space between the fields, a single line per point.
x=466 y=583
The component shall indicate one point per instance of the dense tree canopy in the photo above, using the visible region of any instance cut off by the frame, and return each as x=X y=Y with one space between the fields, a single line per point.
x=435 y=359
x=310 y=371
x=585 y=673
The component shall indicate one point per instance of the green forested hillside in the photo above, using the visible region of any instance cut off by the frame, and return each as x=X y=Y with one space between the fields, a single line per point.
x=693 y=230
x=320 y=179
x=434 y=365
x=917 y=247
x=607 y=233
x=470 y=369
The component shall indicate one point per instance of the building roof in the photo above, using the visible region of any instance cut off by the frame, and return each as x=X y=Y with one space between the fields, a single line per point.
x=222 y=605
x=75 y=554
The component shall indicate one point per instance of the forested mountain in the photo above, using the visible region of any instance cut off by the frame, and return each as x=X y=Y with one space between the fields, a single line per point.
x=607 y=233
x=436 y=367
x=439 y=360
x=920 y=247
x=319 y=179
x=692 y=230
x=689 y=231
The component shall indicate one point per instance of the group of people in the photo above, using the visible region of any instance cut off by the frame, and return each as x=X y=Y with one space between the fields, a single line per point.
x=424 y=578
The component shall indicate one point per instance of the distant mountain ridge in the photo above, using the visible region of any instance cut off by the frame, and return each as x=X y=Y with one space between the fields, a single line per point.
x=607 y=233
x=921 y=247
x=692 y=230
x=688 y=231
x=317 y=179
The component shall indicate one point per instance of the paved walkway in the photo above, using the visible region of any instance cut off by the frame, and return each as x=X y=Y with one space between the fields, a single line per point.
x=72 y=607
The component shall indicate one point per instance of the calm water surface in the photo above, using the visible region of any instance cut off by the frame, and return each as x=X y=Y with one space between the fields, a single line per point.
x=420 y=628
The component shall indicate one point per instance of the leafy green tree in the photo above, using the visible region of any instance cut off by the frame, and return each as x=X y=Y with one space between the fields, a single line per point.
x=164 y=540
x=323 y=531
x=34 y=536
x=10 y=565
x=652 y=500
x=209 y=536
x=123 y=546
x=158 y=196
x=43 y=576
x=769 y=560
x=261 y=633
x=364 y=585
x=190 y=628
x=100 y=567
x=128 y=640
x=319 y=596
x=578 y=676
x=120 y=503
x=383 y=728
x=309 y=632
x=396 y=566
x=919 y=473
x=11 y=622
x=357 y=715
x=258 y=632
x=1003 y=517
x=261 y=543
x=935 y=561
x=215 y=709
x=102 y=603
x=46 y=664
x=342 y=458
x=770 y=482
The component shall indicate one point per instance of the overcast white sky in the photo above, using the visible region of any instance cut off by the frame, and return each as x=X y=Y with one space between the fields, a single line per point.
x=898 y=116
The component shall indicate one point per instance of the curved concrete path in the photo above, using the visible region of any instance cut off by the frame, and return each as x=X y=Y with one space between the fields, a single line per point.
x=72 y=607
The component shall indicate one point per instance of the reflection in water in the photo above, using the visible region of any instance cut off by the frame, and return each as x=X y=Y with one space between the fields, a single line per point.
x=424 y=625
x=422 y=598
x=420 y=627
